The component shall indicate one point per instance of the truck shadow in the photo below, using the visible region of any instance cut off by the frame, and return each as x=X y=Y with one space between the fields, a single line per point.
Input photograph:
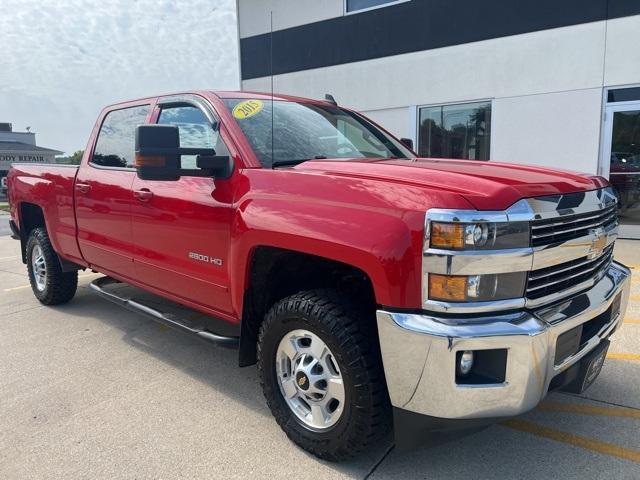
x=209 y=364
x=213 y=365
x=497 y=452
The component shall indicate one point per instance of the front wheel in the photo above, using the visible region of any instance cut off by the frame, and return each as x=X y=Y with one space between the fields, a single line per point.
x=49 y=283
x=322 y=375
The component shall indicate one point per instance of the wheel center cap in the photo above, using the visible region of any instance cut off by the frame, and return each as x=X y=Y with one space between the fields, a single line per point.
x=302 y=381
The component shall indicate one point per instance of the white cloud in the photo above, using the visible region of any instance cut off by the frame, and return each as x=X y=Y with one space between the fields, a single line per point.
x=61 y=61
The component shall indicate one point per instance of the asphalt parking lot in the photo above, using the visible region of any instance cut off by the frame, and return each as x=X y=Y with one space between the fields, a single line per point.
x=88 y=390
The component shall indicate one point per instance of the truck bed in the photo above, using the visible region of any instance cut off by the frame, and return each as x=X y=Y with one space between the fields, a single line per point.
x=52 y=187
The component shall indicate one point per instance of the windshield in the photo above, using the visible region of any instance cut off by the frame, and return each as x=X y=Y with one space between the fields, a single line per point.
x=304 y=131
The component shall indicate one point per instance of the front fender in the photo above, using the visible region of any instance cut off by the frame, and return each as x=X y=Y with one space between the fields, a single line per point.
x=385 y=244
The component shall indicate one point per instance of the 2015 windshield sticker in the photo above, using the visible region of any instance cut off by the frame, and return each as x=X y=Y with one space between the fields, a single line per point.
x=247 y=108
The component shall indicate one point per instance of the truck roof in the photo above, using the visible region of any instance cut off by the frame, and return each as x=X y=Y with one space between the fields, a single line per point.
x=226 y=94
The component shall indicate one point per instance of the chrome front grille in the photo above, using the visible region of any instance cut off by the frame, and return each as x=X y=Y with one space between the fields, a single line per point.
x=568 y=227
x=558 y=278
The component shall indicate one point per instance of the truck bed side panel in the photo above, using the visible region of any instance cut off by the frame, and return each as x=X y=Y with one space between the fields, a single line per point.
x=51 y=187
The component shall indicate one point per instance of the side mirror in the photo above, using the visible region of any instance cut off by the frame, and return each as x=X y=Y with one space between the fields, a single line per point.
x=407 y=142
x=158 y=155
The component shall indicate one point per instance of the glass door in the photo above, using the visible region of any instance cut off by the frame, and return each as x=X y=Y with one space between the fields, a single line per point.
x=621 y=162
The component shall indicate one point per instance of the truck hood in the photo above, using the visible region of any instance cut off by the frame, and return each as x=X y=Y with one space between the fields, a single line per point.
x=486 y=185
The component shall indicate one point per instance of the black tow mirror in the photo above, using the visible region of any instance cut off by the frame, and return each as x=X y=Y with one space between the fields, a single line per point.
x=407 y=142
x=158 y=155
x=218 y=166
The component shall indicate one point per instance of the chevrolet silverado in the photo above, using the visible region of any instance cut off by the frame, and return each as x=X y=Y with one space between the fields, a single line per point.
x=374 y=289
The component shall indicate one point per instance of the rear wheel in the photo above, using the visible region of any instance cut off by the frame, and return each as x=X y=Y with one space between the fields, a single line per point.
x=49 y=283
x=322 y=375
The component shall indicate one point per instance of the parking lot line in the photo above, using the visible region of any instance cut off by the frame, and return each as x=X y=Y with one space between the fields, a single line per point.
x=624 y=356
x=29 y=286
x=550 y=406
x=632 y=321
x=575 y=440
x=16 y=288
x=8 y=258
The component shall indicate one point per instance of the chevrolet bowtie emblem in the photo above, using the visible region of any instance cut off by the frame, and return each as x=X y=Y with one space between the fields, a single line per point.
x=598 y=242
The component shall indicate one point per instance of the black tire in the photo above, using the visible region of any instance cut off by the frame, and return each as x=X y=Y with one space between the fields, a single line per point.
x=59 y=286
x=366 y=416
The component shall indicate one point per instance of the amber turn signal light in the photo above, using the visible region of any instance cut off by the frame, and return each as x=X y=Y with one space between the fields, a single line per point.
x=451 y=288
x=150 y=160
x=447 y=235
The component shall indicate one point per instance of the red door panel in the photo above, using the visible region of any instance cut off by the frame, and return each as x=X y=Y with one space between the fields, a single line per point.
x=103 y=213
x=181 y=235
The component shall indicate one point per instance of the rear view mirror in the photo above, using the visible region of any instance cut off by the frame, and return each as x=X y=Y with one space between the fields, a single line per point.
x=158 y=155
x=407 y=142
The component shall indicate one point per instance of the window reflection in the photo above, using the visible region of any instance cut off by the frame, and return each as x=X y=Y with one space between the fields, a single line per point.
x=195 y=131
x=115 y=146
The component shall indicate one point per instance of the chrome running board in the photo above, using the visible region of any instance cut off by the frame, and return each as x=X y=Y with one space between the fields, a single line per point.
x=168 y=319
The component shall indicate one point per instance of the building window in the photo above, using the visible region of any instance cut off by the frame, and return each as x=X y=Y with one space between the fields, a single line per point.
x=455 y=131
x=360 y=5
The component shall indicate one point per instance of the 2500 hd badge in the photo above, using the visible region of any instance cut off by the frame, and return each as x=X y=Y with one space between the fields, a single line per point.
x=205 y=258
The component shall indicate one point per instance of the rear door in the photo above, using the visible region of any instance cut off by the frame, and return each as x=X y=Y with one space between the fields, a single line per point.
x=103 y=193
x=181 y=228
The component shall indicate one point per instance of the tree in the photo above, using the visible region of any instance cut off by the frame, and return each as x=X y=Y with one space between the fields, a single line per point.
x=73 y=159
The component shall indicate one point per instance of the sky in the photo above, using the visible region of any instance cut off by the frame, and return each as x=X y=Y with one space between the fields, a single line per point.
x=61 y=61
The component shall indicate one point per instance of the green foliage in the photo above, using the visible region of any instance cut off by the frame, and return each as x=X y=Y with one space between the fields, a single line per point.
x=73 y=159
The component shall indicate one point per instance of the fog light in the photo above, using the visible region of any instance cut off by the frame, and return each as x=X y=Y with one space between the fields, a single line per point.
x=466 y=362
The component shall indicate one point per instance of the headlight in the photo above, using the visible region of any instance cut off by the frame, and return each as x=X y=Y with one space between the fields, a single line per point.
x=478 y=236
x=476 y=288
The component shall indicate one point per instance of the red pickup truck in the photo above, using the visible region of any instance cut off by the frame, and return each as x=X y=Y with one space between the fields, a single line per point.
x=373 y=288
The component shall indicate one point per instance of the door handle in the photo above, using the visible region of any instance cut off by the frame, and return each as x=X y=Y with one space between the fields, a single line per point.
x=143 y=195
x=83 y=188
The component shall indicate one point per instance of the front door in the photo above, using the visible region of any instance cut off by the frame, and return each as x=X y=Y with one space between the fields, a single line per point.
x=103 y=194
x=622 y=162
x=181 y=228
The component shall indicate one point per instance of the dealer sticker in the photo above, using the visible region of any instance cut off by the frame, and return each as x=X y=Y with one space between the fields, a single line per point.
x=247 y=108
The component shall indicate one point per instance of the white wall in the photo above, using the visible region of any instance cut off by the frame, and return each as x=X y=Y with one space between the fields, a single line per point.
x=254 y=15
x=542 y=62
x=622 y=64
x=395 y=120
x=554 y=130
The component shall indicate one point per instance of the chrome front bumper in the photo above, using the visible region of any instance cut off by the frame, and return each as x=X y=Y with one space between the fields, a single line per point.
x=419 y=352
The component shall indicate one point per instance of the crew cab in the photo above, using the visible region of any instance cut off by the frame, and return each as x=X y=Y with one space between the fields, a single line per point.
x=372 y=288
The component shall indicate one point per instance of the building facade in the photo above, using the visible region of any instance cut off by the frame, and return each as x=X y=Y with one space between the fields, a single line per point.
x=18 y=147
x=545 y=83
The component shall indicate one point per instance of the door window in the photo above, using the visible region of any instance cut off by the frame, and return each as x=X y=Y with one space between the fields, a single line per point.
x=196 y=131
x=115 y=146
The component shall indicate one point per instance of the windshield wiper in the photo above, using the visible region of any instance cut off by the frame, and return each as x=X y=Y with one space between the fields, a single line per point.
x=289 y=163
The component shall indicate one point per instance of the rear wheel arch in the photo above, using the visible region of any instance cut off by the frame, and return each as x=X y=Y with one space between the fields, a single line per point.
x=32 y=216
x=275 y=273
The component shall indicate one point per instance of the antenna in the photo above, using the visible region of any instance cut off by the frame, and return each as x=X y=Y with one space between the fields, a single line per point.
x=329 y=98
x=271 y=67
